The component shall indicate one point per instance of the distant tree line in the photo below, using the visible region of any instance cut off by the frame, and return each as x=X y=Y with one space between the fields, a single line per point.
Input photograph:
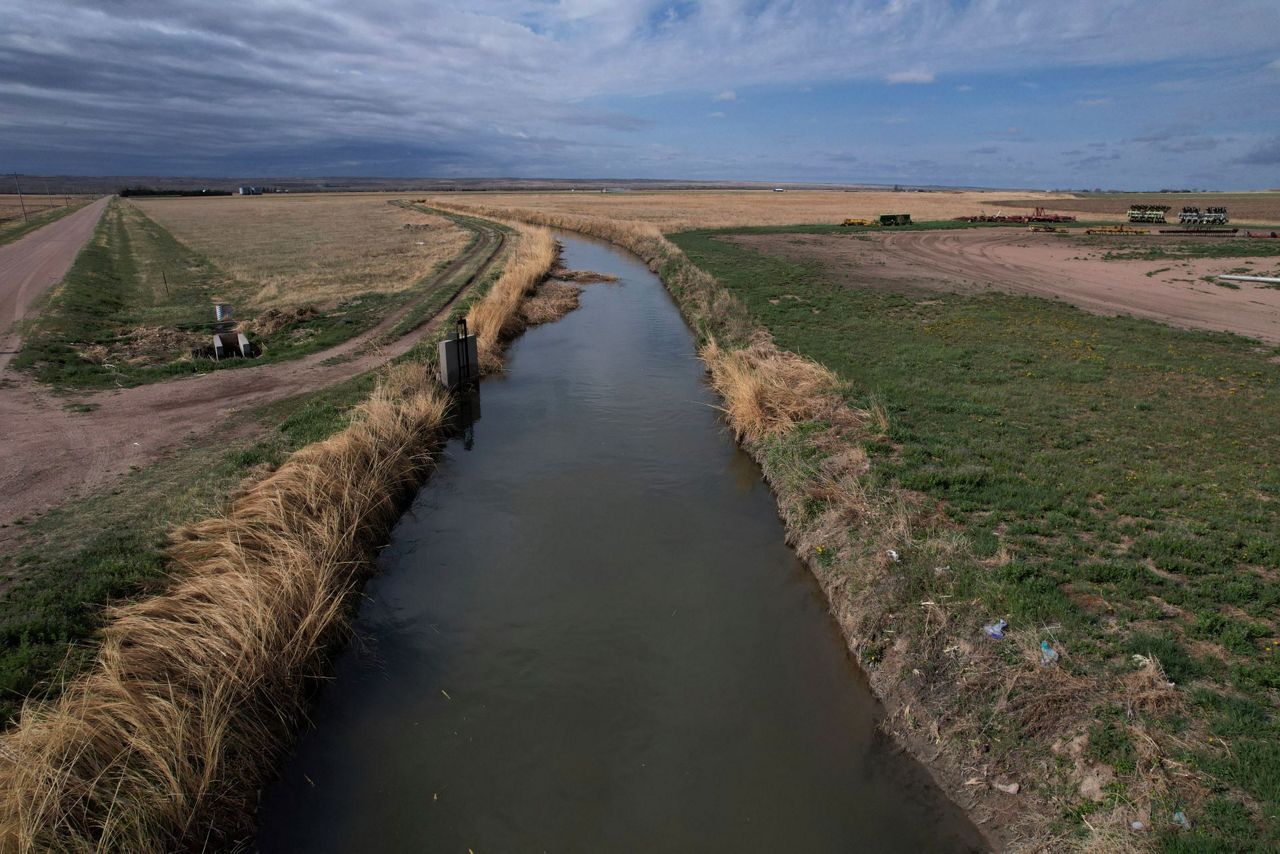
x=161 y=191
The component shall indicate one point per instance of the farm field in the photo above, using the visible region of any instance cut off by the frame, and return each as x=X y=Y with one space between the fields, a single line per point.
x=311 y=273
x=41 y=210
x=291 y=250
x=1262 y=208
x=1115 y=484
x=1164 y=278
x=681 y=210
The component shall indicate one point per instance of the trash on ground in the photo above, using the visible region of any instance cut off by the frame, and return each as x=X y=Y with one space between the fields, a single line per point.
x=1180 y=819
x=1008 y=788
x=996 y=630
x=1138 y=826
x=893 y=555
x=1048 y=655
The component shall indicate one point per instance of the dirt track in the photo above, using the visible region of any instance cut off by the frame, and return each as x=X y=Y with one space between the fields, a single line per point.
x=1044 y=265
x=31 y=265
x=51 y=454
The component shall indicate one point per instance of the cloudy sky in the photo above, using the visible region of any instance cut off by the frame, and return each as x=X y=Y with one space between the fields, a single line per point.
x=1086 y=93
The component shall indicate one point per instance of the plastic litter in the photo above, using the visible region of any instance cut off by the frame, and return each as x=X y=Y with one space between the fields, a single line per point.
x=893 y=555
x=1180 y=819
x=1048 y=655
x=1138 y=826
x=996 y=630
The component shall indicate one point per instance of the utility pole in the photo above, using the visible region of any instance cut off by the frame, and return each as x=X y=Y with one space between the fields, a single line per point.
x=21 y=203
x=48 y=197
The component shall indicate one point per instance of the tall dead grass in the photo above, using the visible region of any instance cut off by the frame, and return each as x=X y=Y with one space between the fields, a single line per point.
x=162 y=744
x=496 y=318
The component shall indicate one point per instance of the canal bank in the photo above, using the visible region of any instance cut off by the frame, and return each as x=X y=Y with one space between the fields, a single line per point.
x=588 y=634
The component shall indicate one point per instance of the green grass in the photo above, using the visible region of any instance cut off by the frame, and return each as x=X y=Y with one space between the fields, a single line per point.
x=18 y=228
x=132 y=274
x=1120 y=461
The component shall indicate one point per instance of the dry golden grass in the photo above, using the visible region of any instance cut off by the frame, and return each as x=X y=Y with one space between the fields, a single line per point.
x=677 y=210
x=496 y=318
x=162 y=744
x=311 y=249
x=551 y=301
x=10 y=208
x=767 y=390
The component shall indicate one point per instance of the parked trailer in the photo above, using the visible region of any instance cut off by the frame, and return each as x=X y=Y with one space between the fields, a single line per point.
x=1115 y=229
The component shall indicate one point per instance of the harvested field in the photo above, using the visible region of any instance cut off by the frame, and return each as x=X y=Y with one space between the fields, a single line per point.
x=299 y=250
x=1178 y=292
x=1256 y=208
x=680 y=210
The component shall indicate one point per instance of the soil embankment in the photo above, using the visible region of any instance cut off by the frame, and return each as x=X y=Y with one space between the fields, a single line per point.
x=1044 y=265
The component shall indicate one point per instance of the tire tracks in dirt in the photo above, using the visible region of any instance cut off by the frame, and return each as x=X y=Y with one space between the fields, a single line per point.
x=52 y=454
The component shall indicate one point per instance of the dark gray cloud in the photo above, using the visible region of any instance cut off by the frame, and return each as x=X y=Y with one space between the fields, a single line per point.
x=530 y=86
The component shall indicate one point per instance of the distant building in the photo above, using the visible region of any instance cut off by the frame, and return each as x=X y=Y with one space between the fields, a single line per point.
x=246 y=190
x=779 y=190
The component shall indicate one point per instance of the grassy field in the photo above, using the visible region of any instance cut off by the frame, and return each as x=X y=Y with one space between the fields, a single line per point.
x=295 y=250
x=1117 y=483
x=138 y=299
x=677 y=210
x=40 y=213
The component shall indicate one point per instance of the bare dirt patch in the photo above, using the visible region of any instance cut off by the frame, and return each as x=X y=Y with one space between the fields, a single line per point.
x=1044 y=265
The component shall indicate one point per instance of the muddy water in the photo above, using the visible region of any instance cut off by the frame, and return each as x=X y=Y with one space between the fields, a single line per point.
x=588 y=635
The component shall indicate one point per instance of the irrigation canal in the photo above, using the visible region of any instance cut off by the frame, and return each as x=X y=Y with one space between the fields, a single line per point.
x=589 y=635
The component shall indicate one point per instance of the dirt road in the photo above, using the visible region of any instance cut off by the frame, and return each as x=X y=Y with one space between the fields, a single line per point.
x=35 y=263
x=1045 y=265
x=51 y=454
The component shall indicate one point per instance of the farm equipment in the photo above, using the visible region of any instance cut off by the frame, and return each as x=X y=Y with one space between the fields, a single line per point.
x=1262 y=235
x=895 y=219
x=1047 y=229
x=858 y=221
x=1039 y=215
x=1115 y=229
x=1147 y=213
x=1210 y=216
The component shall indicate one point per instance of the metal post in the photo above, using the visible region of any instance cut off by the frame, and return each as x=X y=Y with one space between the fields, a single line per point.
x=21 y=203
x=464 y=354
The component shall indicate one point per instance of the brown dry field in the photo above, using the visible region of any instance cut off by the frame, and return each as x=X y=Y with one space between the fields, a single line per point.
x=679 y=210
x=311 y=249
x=10 y=208
x=1257 y=208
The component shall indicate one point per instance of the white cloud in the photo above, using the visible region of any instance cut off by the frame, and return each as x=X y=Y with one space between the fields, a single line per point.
x=716 y=115
x=964 y=87
x=1094 y=102
x=726 y=95
x=1274 y=65
x=912 y=75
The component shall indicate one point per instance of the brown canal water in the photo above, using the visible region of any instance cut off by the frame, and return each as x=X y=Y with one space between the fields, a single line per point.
x=588 y=635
